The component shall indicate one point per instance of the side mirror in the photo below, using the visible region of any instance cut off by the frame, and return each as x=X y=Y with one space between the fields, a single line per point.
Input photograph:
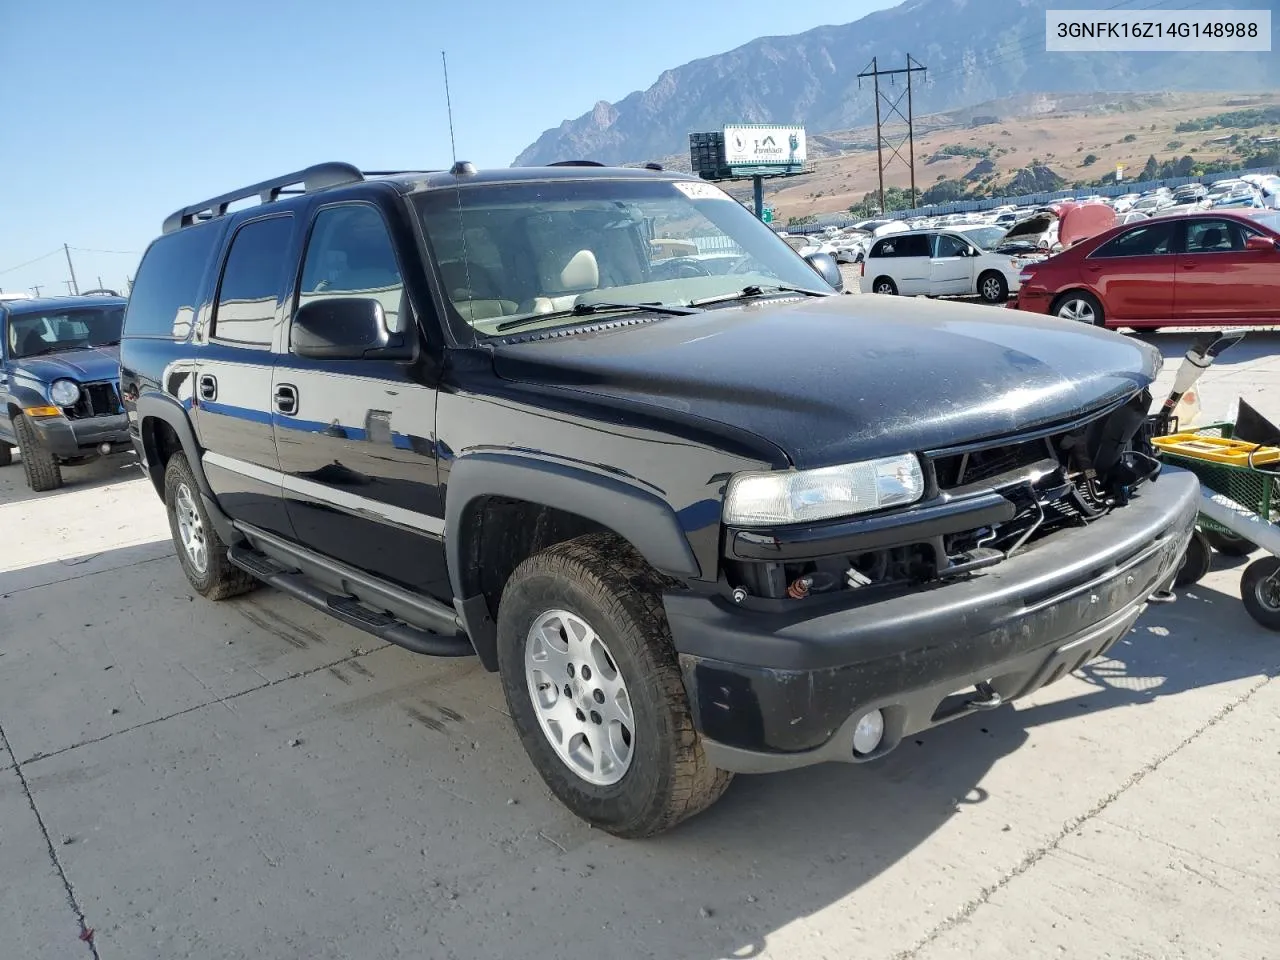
x=1256 y=242
x=342 y=328
x=825 y=266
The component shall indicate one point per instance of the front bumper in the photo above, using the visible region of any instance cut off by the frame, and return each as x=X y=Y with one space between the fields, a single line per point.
x=773 y=690
x=76 y=439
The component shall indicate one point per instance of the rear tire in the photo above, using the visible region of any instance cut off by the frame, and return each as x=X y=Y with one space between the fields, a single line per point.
x=1195 y=562
x=1260 y=591
x=653 y=773
x=886 y=286
x=993 y=287
x=201 y=551
x=1080 y=306
x=1229 y=545
x=38 y=463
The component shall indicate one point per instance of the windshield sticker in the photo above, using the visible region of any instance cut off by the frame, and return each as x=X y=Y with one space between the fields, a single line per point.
x=700 y=191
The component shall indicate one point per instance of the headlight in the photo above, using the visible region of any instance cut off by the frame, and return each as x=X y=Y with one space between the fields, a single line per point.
x=64 y=393
x=803 y=496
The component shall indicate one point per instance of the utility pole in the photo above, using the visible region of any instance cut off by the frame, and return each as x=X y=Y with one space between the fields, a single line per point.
x=36 y=288
x=72 y=286
x=894 y=108
x=71 y=290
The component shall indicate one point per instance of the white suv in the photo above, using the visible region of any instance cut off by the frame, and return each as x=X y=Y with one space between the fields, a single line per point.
x=940 y=263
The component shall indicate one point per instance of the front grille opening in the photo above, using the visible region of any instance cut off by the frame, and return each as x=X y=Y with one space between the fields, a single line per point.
x=96 y=400
x=963 y=469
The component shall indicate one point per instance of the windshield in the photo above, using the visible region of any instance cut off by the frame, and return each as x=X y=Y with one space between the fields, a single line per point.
x=517 y=250
x=33 y=334
x=1269 y=220
x=985 y=237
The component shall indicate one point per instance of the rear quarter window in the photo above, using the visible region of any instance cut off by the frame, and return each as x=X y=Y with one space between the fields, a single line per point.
x=166 y=291
x=911 y=245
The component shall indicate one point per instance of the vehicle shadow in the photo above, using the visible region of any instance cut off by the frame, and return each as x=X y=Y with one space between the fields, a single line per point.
x=95 y=473
x=788 y=846
x=1259 y=343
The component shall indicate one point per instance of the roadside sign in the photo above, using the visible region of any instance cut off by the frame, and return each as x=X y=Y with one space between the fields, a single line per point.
x=764 y=145
x=768 y=215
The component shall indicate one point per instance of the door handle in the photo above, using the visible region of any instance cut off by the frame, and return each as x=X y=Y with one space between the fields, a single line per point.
x=286 y=398
x=208 y=386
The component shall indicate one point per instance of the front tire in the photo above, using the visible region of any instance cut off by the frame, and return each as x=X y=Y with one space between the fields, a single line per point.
x=201 y=551
x=1195 y=562
x=38 y=462
x=1080 y=306
x=993 y=287
x=592 y=684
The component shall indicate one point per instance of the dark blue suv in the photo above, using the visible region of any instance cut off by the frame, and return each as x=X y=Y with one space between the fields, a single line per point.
x=59 y=369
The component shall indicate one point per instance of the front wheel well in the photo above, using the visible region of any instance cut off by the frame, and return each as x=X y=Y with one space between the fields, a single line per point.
x=160 y=442
x=500 y=533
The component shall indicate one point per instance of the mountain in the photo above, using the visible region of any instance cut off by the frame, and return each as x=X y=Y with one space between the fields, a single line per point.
x=976 y=50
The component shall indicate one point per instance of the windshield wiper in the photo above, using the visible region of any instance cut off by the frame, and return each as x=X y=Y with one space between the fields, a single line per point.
x=761 y=290
x=55 y=348
x=588 y=309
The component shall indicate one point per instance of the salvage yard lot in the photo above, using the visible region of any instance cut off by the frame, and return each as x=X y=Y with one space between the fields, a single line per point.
x=252 y=779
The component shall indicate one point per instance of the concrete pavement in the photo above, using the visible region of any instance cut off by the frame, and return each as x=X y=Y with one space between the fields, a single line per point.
x=251 y=779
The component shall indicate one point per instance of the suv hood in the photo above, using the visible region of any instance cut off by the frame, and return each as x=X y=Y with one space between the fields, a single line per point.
x=83 y=366
x=847 y=378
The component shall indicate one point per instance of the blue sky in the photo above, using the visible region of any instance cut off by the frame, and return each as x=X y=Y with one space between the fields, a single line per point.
x=114 y=114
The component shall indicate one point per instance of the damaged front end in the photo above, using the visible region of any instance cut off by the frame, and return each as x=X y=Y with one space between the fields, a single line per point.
x=983 y=504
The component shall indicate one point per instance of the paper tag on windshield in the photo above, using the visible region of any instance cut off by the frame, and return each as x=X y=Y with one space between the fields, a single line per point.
x=700 y=191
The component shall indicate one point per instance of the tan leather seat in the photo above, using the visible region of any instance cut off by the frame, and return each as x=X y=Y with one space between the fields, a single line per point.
x=581 y=274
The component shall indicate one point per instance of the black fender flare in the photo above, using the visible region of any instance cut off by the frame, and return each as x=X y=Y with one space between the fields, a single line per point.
x=638 y=515
x=160 y=406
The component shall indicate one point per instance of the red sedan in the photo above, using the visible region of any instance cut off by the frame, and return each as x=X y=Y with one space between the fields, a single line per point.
x=1197 y=269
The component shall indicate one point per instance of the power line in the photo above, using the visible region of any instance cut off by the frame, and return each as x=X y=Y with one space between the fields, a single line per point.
x=46 y=256
x=131 y=253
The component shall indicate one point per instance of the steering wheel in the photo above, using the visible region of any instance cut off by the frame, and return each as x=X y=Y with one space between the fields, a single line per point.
x=680 y=268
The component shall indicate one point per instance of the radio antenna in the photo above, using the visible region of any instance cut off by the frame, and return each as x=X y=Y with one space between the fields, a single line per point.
x=456 y=170
x=448 y=101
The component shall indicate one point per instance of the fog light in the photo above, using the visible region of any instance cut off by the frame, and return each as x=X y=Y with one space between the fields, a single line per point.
x=868 y=732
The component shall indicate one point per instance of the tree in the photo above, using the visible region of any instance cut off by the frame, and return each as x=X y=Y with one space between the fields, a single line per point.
x=1151 y=169
x=1129 y=138
x=1089 y=161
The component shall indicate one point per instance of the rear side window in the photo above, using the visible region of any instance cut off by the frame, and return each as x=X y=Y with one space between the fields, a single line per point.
x=914 y=245
x=163 y=299
x=1144 y=241
x=252 y=281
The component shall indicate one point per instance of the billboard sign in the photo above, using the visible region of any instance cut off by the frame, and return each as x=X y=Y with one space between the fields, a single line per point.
x=768 y=146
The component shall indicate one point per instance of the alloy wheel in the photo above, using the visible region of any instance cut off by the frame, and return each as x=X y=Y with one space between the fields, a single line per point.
x=191 y=528
x=1076 y=309
x=580 y=697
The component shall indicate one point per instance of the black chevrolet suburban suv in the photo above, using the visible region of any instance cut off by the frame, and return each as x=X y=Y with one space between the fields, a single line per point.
x=701 y=521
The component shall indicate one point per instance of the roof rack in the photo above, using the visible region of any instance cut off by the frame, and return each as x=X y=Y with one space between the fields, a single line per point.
x=575 y=163
x=321 y=176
